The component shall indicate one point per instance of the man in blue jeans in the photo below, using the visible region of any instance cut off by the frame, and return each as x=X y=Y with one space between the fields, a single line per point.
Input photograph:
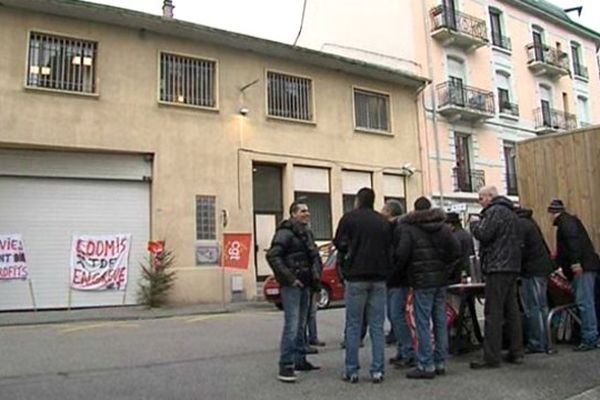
x=294 y=259
x=427 y=251
x=576 y=256
x=363 y=240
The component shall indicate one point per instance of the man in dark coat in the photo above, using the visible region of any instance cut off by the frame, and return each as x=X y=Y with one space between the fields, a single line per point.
x=427 y=250
x=363 y=240
x=576 y=256
x=500 y=253
x=536 y=266
x=466 y=246
x=294 y=259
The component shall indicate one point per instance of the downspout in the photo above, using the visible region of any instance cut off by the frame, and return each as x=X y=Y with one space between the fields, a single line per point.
x=438 y=163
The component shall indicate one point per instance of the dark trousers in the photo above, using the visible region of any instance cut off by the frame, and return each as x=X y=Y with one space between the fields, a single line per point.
x=501 y=307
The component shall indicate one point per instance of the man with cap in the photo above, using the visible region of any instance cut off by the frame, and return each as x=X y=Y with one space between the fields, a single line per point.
x=500 y=253
x=576 y=256
x=426 y=249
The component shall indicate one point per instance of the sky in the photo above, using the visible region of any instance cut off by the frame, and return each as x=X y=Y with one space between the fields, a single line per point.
x=255 y=17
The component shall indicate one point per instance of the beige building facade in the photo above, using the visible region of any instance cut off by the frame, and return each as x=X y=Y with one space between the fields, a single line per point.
x=114 y=121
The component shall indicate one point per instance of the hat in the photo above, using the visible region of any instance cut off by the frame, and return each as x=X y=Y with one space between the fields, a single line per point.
x=556 y=206
x=452 y=217
x=422 y=203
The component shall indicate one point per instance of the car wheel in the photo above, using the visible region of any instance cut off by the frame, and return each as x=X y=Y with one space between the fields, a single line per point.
x=324 y=298
x=279 y=306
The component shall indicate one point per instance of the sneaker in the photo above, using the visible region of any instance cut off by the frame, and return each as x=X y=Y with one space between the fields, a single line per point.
x=287 y=374
x=353 y=378
x=306 y=366
x=317 y=343
x=396 y=360
x=406 y=363
x=418 y=373
x=377 y=377
x=440 y=371
x=483 y=365
x=551 y=351
x=585 y=347
x=311 y=350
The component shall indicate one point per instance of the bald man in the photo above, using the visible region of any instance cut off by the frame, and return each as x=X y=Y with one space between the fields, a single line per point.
x=500 y=252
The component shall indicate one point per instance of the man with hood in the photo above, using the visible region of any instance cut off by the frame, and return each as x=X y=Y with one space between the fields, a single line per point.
x=500 y=253
x=427 y=250
x=576 y=256
x=536 y=267
x=294 y=259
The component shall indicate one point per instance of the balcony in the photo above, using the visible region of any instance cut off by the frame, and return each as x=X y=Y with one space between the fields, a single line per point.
x=547 y=61
x=511 y=185
x=453 y=28
x=548 y=120
x=456 y=101
x=509 y=109
x=581 y=71
x=468 y=180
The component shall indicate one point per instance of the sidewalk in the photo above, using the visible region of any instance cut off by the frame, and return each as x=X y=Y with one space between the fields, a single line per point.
x=123 y=313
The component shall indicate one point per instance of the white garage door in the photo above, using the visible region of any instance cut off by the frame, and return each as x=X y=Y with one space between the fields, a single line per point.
x=48 y=197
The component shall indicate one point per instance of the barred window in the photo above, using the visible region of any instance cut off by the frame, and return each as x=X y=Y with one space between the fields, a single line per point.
x=186 y=80
x=371 y=110
x=61 y=63
x=289 y=96
x=206 y=224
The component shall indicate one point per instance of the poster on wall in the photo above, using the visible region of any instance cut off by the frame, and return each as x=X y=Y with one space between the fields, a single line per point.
x=236 y=250
x=13 y=264
x=100 y=262
x=207 y=254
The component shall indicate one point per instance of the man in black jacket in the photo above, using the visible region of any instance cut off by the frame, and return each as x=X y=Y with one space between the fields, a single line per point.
x=294 y=259
x=363 y=240
x=466 y=246
x=500 y=253
x=576 y=256
x=427 y=250
x=536 y=266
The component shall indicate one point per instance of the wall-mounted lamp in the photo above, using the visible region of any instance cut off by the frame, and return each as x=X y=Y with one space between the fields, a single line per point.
x=408 y=170
x=244 y=111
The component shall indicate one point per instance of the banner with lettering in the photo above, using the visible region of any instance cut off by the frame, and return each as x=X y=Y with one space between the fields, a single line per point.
x=13 y=264
x=236 y=250
x=100 y=262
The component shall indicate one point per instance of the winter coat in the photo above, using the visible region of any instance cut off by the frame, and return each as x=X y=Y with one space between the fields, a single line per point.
x=498 y=234
x=573 y=245
x=467 y=249
x=397 y=277
x=426 y=249
x=363 y=239
x=535 y=255
x=293 y=255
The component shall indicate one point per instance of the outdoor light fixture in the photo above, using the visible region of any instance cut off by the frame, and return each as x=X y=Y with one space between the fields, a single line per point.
x=408 y=170
x=244 y=111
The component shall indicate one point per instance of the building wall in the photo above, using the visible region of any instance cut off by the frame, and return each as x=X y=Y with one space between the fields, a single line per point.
x=198 y=152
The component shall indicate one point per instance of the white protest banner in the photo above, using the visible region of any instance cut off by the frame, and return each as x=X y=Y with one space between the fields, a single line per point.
x=12 y=258
x=100 y=262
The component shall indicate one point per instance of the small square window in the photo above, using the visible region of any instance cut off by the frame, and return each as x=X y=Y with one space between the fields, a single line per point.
x=372 y=110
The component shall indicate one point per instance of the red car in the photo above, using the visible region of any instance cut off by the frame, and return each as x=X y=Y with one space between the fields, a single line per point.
x=332 y=287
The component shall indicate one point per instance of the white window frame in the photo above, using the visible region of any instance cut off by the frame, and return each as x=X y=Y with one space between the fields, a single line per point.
x=313 y=110
x=368 y=90
x=195 y=57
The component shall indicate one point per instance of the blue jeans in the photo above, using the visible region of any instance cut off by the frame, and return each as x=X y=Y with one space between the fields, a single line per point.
x=397 y=305
x=584 y=297
x=535 y=301
x=430 y=304
x=368 y=299
x=312 y=319
x=295 y=310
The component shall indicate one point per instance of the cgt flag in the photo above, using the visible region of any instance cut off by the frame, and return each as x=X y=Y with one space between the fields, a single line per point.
x=236 y=250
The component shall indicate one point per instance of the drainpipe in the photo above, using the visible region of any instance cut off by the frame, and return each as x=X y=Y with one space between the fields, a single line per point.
x=167 y=9
x=438 y=163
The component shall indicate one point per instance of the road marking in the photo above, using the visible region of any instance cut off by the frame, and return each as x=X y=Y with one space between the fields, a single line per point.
x=86 y=327
x=206 y=317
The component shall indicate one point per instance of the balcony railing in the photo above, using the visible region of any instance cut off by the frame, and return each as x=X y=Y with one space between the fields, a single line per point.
x=501 y=41
x=444 y=17
x=468 y=180
x=509 y=109
x=549 y=119
x=454 y=94
x=547 y=55
x=580 y=70
x=511 y=185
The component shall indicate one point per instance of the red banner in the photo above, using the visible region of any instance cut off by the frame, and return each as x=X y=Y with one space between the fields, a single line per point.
x=236 y=250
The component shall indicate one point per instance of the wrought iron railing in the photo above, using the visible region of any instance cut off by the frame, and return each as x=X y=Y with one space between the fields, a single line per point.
x=468 y=180
x=580 y=70
x=452 y=93
x=509 y=108
x=501 y=41
x=444 y=17
x=511 y=185
x=548 y=55
x=551 y=118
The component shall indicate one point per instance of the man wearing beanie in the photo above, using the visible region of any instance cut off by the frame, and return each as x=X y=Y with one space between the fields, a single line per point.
x=576 y=256
x=500 y=253
x=426 y=250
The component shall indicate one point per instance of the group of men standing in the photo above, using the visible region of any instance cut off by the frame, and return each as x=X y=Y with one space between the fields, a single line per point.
x=383 y=256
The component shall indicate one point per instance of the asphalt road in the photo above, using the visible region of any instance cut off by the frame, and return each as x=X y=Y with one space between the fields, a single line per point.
x=234 y=356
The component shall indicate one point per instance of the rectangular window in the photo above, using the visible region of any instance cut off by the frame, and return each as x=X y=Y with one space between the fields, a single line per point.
x=372 y=110
x=496 y=28
x=206 y=219
x=61 y=63
x=510 y=168
x=289 y=96
x=187 y=80
x=503 y=99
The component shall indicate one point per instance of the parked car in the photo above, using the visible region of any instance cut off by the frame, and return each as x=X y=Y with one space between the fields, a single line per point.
x=332 y=288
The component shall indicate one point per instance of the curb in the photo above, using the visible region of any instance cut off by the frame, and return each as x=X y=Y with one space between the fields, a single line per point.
x=591 y=394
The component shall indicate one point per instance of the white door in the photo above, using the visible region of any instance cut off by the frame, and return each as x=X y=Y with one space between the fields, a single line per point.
x=265 y=226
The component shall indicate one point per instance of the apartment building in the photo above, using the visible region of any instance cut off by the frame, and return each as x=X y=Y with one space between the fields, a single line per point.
x=118 y=122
